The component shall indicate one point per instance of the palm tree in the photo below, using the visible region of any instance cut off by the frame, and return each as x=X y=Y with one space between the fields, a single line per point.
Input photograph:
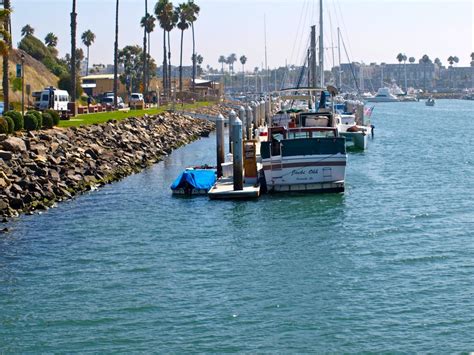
x=199 y=60
x=425 y=60
x=5 y=45
x=182 y=12
x=166 y=16
x=193 y=14
x=51 y=40
x=73 y=53
x=231 y=59
x=405 y=70
x=400 y=60
x=243 y=60
x=412 y=60
x=450 y=60
x=27 y=31
x=116 y=51
x=148 y=23
x=88 y=38
x=143 y=24
x=222 y=61
x=472 y=59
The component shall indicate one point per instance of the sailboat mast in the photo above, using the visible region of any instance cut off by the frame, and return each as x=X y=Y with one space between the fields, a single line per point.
x=339 y=55
x=265 y=39
x=313 y=82
x=321 y=45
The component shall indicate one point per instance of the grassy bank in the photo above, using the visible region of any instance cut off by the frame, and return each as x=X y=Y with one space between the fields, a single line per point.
x=102 y=117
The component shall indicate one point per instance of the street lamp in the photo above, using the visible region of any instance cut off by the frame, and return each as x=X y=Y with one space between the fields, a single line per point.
x=23 y=84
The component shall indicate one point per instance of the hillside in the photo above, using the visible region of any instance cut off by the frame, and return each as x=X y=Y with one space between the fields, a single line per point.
x=36 y=74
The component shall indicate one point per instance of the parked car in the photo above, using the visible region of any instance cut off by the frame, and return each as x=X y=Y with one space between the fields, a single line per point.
x=136 y=97
x=109 y=100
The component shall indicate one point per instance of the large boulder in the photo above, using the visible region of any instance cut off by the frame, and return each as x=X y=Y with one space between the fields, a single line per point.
x=14 y=144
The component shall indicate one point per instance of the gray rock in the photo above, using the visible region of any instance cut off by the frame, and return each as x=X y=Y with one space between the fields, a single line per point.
x=14 y=144
x=6 y=155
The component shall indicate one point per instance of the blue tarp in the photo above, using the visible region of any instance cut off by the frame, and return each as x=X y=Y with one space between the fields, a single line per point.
x=197 y=179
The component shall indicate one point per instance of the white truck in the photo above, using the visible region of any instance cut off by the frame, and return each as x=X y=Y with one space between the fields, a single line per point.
x=53 y=99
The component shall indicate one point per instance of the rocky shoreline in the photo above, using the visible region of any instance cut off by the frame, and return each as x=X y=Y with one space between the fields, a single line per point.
x=40 y=168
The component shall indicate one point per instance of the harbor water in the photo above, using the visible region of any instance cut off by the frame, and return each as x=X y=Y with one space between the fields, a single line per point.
x=386 y=266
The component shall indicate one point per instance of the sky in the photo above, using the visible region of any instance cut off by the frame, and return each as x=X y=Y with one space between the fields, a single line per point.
x=372 y=30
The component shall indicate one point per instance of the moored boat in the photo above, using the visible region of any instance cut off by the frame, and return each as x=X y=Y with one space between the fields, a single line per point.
x=194 y=181
x=430 y=102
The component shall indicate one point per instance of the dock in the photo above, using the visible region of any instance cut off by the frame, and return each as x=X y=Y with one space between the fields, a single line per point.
x=224 y=190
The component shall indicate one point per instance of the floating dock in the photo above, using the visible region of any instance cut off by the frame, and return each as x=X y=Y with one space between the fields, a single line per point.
x=224 y=190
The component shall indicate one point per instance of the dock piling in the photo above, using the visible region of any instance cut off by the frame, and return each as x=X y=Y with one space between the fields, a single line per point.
x=220 y=144
x=238 y=155
x=249 y=122
x=262 y=113
x=256 y=113
x=243 y=119
x=232 y=117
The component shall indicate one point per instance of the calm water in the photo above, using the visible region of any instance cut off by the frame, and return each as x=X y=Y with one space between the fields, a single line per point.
x=388 y=266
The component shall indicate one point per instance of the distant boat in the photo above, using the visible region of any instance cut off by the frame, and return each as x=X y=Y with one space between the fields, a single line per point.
x=430 y=102
x=383 y=95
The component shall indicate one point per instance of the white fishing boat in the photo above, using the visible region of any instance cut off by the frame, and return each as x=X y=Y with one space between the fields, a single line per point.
x=308 y=155
x=354 y=133
x=383 y=95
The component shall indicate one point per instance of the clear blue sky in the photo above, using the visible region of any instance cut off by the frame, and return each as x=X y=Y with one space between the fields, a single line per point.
x=373 y=30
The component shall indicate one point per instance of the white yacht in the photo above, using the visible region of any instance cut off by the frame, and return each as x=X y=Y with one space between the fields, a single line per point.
x=383 y=95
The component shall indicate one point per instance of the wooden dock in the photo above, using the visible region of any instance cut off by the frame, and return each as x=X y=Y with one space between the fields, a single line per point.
x=224 y=190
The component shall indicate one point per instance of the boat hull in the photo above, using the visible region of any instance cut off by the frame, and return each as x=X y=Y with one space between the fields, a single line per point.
x=322 y=173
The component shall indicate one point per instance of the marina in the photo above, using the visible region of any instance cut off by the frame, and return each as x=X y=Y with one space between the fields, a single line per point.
x=135 y=268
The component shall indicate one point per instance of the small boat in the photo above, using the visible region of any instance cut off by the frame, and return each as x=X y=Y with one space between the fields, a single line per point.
x=194 y=181
x=430 y=102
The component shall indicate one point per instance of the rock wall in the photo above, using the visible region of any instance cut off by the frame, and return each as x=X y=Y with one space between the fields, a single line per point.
x=40 y=168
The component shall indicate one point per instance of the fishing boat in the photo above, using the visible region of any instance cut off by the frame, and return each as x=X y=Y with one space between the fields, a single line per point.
x=355 y=131
x=430 y=102
x=194 y=181
x=308 y=155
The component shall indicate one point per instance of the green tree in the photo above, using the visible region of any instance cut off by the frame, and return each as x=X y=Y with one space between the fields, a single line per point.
x=199 y=60
x=132 y=59
x=5 y=46
x=51 y=40
x=27 y=30
x=231 y=59
x=88 y=37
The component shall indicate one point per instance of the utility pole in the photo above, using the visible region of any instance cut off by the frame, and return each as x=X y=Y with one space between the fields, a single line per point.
x=73 y=57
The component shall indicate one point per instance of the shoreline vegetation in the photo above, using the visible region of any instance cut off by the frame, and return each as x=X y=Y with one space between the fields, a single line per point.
x=40 y=168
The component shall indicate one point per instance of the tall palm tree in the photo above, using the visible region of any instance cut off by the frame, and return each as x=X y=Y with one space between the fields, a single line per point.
x=193 y=14
x=116 y=53
x=73 y=53
x=166 y=15
x=27 y=30
x=405 y=71
x=88 y=37
x=222 y=60
x=51 y=40
x=182 y=12
x=424 y=60
x=400 y=60
x=450 y=60
x=5 y=46
x=231 y=59
x=243 y=60
x=148 y=24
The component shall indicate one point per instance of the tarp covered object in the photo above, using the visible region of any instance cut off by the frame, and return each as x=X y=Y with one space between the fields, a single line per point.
x=197 y=179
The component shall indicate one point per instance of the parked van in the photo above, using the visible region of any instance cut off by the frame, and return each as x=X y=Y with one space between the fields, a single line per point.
x=54 y=99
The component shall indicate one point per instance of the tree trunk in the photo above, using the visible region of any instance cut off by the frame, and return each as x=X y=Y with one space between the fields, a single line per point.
x=181 y=65
x=87 y=67
x=116 y=54
x=194 y=58
x=165 y=66
x=73 y=55
x=6 y=81
x=148 y=63
x=169 y=60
